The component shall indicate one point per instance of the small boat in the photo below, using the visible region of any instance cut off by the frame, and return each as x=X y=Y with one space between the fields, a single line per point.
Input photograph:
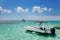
x=40 y=22
x=23 y=20
x=40 y=29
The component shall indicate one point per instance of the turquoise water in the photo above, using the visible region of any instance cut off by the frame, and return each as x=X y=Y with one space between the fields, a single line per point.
x=15 y=30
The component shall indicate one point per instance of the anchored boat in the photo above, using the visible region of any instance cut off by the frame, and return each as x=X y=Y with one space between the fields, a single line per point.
x=40 y=29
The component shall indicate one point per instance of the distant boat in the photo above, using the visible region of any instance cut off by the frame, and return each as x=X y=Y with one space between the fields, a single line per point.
x=38 y=21
x=40 y=29
x=23 y=20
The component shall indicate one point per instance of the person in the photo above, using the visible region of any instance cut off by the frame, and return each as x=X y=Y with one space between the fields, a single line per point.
x=44 y=28
x=52 y=30
x=41 y=28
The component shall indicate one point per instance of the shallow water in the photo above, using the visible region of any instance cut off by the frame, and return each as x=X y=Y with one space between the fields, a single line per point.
x=15 y=30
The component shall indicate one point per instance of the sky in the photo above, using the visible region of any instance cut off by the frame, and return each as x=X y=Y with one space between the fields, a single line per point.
x=30 y=9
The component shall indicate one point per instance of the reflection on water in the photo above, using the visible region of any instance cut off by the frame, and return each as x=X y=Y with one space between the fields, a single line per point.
x=14 y=30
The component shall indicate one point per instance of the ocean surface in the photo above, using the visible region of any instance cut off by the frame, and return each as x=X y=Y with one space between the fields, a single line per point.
x=15 y=30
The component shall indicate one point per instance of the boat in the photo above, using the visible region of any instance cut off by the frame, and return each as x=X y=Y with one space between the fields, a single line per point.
x=40 y=22
x=23 y=20
x=40 y=30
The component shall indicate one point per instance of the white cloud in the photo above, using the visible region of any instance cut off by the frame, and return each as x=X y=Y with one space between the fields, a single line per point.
x=1 y=9
x=45 y=8
x=39 y=9
x=27 y=10
x=36 y=9
x=4 y=10
x=50 y=9
x=21 y=10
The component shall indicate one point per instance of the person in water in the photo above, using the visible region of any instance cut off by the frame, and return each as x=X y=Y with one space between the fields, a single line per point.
x=41 y=28
x=52 y=30
x=44 y=28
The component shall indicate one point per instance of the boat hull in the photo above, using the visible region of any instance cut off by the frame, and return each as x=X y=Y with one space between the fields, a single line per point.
x=37 y=29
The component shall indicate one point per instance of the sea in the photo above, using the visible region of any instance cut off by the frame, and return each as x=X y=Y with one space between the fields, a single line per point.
x=15 y=30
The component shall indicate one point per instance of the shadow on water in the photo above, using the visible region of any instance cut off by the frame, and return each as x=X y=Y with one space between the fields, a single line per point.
x=41 y=34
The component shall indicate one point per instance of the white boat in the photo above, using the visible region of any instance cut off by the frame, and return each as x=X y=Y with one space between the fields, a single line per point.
x=40 y=29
